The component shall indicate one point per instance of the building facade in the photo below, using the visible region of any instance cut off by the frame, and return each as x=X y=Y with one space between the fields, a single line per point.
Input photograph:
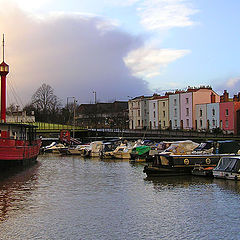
x=201 y=116
x=174 y=111
x=163 y=112
x=139 y=112
x=186 y=103
x=153 y=113
x=202 y=95
x=213 y=116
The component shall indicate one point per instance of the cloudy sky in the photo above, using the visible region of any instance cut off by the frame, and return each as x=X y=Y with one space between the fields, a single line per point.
x=119 y=49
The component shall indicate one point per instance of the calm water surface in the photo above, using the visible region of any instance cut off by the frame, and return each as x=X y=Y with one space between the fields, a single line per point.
x=73 y=198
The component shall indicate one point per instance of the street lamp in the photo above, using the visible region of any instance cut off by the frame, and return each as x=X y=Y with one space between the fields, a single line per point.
x=95 y=97
x=74 y=112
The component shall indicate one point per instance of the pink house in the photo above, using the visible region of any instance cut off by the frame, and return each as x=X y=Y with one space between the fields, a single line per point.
x=190 y=99
x=230 y=113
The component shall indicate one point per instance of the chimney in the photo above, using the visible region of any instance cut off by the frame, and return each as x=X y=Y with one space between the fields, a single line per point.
x=225 y=96
x=235 y=98
x=213 y=98
x=221 y=99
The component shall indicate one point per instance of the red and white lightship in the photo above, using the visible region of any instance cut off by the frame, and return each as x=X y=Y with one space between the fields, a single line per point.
x=18 y=142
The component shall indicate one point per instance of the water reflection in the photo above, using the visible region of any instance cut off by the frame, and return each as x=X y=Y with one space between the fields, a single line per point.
x=15 y=186
x=76 y=198
x=228 y=185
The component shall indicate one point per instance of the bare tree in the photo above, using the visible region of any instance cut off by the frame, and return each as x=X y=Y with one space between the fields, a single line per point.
x=11 y=108
x=45 y=100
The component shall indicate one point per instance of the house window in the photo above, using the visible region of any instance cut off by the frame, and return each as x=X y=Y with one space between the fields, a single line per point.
x=164 y=113
x=175 y=112
x=213 y=122
x=154 y=124
x=138 y=113
x=226 y=112
x=154 y=105
x=139 y=123
x=226 y=123
x=154 y=114
x=138 y=104
x=200 y=123
x=200 y=112
x=164 y=124
x=175 y=123
x=187 y=101
x=187 y=122
x=163 y=104
x=187 y=111
x=213 y=112
x=175 y=102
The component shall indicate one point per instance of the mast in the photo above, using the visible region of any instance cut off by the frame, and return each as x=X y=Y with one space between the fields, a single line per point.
x=3 y=47
x=4 y=70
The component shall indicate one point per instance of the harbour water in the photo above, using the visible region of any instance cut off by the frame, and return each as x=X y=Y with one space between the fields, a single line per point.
x=76 y=198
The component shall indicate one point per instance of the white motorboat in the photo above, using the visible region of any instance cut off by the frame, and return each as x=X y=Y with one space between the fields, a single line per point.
x=228 y=168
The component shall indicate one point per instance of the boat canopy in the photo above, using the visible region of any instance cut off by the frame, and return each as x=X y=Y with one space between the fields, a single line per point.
x=228 y=164
x=182 y=147
x=141 y=150
x=227 y=146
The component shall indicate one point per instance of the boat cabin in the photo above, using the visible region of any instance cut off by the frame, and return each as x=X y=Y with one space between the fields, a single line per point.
x=18 y=132
x=228 y=164
x=228 y=168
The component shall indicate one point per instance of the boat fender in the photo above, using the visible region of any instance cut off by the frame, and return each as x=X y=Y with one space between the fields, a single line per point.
x=208 y=161
x=186 y=161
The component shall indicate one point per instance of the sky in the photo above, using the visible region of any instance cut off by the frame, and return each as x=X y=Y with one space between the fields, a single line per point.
x=119 y=49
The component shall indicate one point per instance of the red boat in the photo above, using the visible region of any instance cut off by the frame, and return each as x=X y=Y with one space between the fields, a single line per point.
x=18 y=142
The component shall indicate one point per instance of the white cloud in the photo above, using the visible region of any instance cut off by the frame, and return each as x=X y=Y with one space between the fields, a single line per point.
x=121 y=3
x=233 y=81
x=165 y=14
x=148 y=62
x=27 y=5
x=70 y=53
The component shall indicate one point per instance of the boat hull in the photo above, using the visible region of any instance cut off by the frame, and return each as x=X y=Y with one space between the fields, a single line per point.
x=168 y=165
x=226 y=175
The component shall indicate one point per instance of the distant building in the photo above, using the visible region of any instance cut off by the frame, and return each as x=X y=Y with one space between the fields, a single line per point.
x=200 y=96
x=153 y=112
x=191 y=111
x=103 y=115
x=174 y=110
x=213 y=116
x=19 y=116
x=163 y=111
x=230 y=113
x=186 y=102
x=201 y=116
x=139 y=112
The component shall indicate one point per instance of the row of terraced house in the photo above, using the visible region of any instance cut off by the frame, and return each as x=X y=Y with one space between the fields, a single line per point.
x=200 y=109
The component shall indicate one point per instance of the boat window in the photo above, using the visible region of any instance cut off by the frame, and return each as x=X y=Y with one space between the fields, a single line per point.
x=231 y=165
x=237 y=166
x=226 y=164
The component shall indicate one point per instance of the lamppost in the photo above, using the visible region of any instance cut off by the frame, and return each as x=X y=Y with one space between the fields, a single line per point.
x=95 y=96
x=74 y=113
x=17 y=112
